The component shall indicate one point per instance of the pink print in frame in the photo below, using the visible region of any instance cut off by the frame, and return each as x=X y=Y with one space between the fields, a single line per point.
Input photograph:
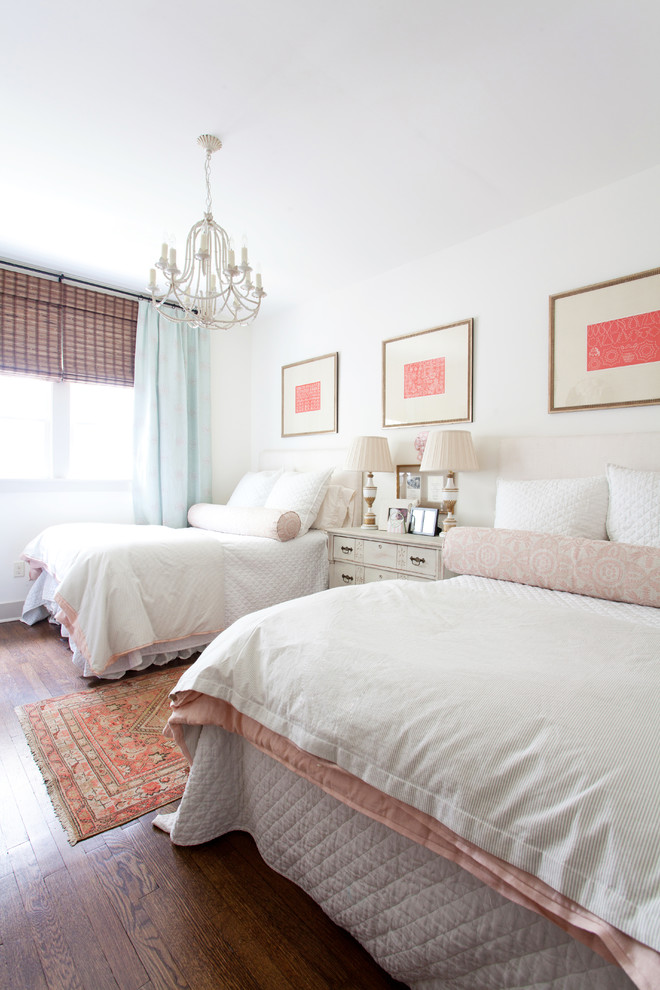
x=309 y=396
x=605 y=345
x=427 y=376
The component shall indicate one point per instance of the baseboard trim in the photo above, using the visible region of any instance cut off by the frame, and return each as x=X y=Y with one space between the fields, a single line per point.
x=10 y=611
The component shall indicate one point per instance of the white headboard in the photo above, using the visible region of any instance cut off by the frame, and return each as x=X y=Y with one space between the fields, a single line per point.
x=578 y=456
x=317 y=460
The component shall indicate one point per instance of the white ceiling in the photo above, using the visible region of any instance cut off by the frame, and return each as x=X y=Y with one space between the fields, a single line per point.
x=358 y=134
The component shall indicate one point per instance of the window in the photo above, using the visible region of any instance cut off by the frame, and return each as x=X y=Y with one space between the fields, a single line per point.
x=66 y=396
x=73 y=430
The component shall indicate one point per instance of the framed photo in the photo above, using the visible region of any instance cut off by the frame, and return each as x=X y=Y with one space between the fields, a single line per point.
x=397 y=520
x=396 y=503
x=309 y=396
x=424 y=521
x=427 y=376
x=605 y=345
x=408 y=481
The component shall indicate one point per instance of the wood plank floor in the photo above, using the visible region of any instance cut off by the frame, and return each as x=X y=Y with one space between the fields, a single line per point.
x=127 y=910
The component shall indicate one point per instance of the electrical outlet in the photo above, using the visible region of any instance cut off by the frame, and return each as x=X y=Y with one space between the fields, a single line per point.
x=19 y=568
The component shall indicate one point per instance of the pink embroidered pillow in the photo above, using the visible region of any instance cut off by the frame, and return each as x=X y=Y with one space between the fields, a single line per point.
x=617 y=571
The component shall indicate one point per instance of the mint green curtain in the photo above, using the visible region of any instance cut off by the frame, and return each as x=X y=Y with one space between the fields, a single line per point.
x=172 y=419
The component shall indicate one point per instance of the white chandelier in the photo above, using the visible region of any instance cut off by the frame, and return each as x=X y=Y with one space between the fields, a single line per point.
x=212 y=290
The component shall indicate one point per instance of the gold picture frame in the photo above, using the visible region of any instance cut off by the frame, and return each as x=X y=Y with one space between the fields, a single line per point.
x=427 y=376
x=309 y=396
x=408 y=481
x=605 y=345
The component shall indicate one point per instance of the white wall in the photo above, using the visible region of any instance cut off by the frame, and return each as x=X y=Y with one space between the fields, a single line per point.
x=503 y=280
x=231 y=408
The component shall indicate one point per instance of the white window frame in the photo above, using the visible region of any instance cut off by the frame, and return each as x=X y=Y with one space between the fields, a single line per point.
x=60 y=456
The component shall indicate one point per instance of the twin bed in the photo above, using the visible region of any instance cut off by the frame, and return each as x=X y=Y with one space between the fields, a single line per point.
x=129 y=597
x=464 y=774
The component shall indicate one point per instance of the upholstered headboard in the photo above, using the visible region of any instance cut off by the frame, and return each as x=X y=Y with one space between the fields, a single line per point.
x=577 y=457
x=316 y=460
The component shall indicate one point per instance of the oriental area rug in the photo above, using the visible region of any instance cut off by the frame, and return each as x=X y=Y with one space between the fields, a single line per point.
x=102 y=753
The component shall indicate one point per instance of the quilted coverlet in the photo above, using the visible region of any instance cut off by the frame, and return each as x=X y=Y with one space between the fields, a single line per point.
x=528 y=728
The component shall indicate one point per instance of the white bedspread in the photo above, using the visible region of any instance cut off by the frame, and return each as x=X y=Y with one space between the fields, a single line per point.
x=125 y=589
x=528 y=727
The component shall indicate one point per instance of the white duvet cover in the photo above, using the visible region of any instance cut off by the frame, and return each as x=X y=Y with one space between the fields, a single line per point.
x=524 y=720
x=128 y=594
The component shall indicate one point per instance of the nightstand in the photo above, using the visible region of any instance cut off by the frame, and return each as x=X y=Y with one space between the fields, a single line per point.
x=358 y=556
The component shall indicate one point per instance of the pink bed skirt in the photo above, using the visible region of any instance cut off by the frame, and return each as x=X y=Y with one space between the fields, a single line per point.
x=641 y=963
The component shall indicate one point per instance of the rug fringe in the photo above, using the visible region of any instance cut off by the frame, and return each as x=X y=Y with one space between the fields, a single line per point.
x=59 y=807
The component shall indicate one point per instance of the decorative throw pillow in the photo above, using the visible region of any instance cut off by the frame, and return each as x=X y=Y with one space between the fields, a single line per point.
x=335 y=508
x=597 y=568
x=254 y=488
x=251 y=521
x=563 y=506
x=302 y=492
x=634 y=510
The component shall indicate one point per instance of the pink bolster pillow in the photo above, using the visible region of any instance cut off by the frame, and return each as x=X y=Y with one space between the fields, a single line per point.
x=253 y=521
x=619 y=572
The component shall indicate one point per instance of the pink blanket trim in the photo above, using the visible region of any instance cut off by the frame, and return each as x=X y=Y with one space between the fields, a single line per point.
x=641 y=963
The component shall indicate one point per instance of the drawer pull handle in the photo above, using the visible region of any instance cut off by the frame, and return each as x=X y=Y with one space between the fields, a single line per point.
x=417 y=561
x=346 y=549
x=347 y=578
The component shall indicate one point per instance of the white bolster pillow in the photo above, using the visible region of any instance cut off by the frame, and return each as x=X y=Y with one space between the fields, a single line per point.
x=253 y=521
x=619 y=572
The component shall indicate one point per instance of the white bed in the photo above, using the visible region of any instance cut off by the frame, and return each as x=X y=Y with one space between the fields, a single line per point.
x=448 y=769
x=128 y=597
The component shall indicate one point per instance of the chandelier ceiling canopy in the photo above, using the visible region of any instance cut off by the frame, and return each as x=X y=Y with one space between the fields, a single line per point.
x=212 y=290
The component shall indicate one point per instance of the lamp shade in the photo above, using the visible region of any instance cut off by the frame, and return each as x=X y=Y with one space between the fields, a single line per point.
x=449 y=450
x=369 y=454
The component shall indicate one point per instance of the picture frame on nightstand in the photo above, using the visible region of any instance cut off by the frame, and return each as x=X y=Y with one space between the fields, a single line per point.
x=424 y=521
x=397 y=520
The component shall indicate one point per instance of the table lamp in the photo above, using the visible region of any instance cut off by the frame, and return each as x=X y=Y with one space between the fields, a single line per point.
x=450 y=451
x=369 y=454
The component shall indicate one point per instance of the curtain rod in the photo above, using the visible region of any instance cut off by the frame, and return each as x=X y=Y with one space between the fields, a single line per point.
x=81 y=281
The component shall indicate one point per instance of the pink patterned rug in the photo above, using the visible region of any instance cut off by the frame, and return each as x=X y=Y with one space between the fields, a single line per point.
x=102 y=753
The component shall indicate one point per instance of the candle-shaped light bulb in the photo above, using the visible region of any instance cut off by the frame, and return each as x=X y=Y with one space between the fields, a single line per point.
x=213 y=283
x=205 y=242
x=172 y=257
x=232 y=258
x=152 y=278
x=163 y=252
x=258 y=280
x=244 y=260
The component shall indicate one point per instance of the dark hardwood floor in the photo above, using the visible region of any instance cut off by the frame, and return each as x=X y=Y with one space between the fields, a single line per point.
x=127 y=909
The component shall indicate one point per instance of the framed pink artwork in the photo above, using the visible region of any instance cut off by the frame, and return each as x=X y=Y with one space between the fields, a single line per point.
x=309 y=396
x=605 y=344
x=427 y=376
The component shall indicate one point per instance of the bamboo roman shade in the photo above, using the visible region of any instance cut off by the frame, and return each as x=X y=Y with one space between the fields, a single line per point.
x=64 y=332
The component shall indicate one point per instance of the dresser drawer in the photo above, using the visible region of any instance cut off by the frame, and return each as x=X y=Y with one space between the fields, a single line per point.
x=372 y=574
x=344 y=573
x=345 y=548
x=420 y=562
x=378 y=554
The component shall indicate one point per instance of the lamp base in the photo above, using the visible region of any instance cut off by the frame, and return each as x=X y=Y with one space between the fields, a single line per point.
x=369 y=496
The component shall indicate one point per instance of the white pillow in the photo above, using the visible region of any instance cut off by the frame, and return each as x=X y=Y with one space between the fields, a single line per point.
x=254 y=488
x=251 y=521
x=302 y=492
x=563 y=506
x=634 y=512
x=335 y=508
